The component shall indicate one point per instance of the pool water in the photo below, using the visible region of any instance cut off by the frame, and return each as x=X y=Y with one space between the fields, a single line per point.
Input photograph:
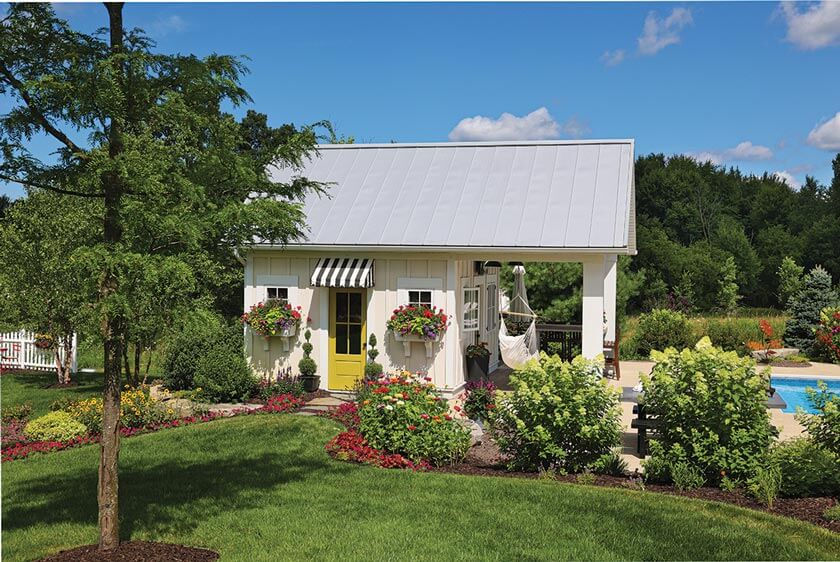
x=792 y=391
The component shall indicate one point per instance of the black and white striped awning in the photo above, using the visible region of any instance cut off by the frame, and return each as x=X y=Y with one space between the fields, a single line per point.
x=343 y=272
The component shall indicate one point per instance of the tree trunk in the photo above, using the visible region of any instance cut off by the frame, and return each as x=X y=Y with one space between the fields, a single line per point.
x=127 y=367
x=108 y=491
x=137 y=351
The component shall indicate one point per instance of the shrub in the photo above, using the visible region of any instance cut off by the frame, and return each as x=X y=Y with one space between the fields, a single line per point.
x=686 y=476
x=765 y=484
x=199 y=334
x=585 y=478
x=804 y=309
x=18 y=412
x=373 y=370
x=55 y=426
x=479 y=399
x=824 y=425
x=661 y=329
x=711 y=408
x=406 y=416
x=559 y=415
x=610 y=464
x=224 y=376
x=727 y=484
x=807 y=469
x=656 y=467
x=828 y=334
x=12 y=433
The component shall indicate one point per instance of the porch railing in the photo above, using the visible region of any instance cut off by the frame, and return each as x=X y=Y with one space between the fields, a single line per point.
x=563 y=339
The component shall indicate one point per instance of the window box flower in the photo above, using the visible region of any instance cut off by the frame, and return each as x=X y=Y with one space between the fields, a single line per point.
x=418 y=323
x=273 y=318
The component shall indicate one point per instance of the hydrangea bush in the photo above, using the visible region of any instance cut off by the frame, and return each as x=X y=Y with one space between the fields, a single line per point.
x=560 y=415
x=711 y=405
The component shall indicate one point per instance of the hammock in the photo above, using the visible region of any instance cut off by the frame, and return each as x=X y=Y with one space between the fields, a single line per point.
x=518 y=350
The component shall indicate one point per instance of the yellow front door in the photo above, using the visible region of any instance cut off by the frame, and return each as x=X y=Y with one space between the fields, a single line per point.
x=347 y=338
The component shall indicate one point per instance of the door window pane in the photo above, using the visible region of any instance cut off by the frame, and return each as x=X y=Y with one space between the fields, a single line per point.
x=355 y=308
x=341 y=307
x=341 y=338
x=355 y=337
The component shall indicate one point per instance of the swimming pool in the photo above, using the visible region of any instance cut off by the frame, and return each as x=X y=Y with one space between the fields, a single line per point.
x=792 y=391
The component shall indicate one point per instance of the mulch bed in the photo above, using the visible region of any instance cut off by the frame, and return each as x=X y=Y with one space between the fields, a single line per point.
x=135 y=551
x=484 y=459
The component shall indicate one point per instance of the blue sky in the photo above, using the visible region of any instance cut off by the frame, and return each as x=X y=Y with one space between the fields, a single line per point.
x=750 y=84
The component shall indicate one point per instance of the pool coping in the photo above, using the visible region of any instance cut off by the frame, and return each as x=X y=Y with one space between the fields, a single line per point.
x=805 y=376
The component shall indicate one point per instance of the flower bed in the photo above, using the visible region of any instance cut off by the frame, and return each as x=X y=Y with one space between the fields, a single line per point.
x=400 y=415
x=22 y=447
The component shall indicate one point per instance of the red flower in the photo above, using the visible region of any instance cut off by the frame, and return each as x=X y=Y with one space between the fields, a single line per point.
x=412 y=427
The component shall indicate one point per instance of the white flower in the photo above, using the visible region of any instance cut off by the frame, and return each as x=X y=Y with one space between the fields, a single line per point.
x=400 y=402
x=389 y=407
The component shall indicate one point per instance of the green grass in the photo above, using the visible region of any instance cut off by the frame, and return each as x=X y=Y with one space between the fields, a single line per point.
x=262 y=488
x=18 y=388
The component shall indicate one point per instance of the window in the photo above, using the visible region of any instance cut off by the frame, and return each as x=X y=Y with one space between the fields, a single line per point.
x=492 y=306
x=277 y=293
x=471 y=309
x=418 y=298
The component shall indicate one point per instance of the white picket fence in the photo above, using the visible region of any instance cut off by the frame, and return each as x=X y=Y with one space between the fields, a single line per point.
x=18 y=351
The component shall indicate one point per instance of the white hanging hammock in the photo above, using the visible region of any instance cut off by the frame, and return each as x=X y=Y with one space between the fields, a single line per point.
x=518 y=350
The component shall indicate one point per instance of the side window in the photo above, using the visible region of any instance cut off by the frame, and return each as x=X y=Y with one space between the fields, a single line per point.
x=277 y=293
x=420 y=298
x=470 y=312
x=492 y=306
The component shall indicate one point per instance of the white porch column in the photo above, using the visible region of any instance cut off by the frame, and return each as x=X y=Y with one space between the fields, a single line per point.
x=610 y=273
x=593 y=306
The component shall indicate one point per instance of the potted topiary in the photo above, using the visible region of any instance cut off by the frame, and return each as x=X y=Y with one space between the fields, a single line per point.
x=373 y=370
x=308 y=367
x=478 y=361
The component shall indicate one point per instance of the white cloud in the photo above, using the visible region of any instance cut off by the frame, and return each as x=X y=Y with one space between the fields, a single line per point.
x=744 y=151
x=658 y=33
x=788 y=178
x=817 y=26
x=537 y=125
x=167 y=25
x=574 y=128
x=826 y=135
x=612 y=58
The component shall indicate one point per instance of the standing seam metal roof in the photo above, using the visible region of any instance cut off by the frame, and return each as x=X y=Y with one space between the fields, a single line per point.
x=545 y=194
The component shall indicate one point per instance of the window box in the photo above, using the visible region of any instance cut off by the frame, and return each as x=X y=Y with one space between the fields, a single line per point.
x=407 y=340
x=286 y=334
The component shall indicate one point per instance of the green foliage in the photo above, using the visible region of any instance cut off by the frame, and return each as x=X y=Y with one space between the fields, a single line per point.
x=198 y=333
x=727 y=296
x=55 y=426
x=686 y=476
x=137 y=409
x=372 y=369
x=711 y=408
x=559 y=415
x=765 y=484
x=805 y=307
x=610 y=464
x=791 y=279
x=585 y=479
x=807 y=469
x=656 y=467
x=17 y=412
x=224 y=376
x=406 y=415
x=728 y=484
x=828 y=334
x=832 y=513
x=824 y=425
x=660 y=329
x=307 y=365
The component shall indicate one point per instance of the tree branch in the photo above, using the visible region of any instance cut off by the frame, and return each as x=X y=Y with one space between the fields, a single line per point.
x=42 y=120
x=50 y=187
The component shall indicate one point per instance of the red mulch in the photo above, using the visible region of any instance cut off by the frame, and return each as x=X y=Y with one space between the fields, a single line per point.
x=484 y=459
x=135 y=551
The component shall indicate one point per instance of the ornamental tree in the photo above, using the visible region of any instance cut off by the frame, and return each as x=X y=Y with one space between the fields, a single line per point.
x=804 y=309
x=143 y=138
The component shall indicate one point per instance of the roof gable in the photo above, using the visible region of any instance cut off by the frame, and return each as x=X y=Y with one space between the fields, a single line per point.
x=547 y=194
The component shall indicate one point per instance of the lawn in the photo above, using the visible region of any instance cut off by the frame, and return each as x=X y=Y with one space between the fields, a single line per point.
x=17 y=388
x=262 y=488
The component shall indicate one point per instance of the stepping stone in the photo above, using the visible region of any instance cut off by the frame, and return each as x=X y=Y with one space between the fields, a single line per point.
x=325 y=401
